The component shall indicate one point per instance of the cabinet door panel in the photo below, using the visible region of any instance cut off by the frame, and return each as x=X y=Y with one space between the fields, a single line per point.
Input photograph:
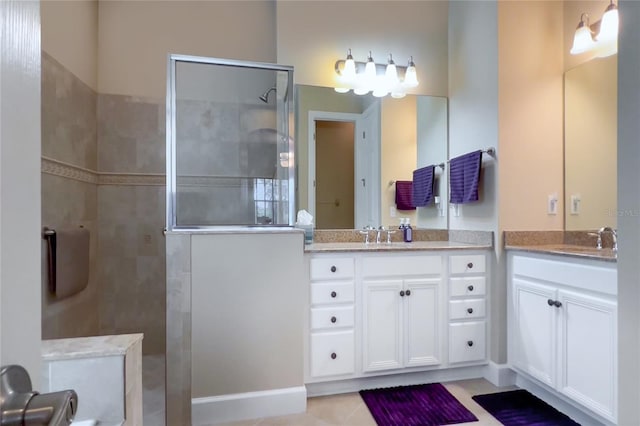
x=382 y=327
x=588 y=347
x=535 y=329
x=422 y=321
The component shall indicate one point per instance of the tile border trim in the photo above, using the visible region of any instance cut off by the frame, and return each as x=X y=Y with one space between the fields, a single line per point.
x=70 y=171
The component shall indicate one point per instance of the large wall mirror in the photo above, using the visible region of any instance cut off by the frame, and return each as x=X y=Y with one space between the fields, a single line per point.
x=591 y=144
x=352 y=149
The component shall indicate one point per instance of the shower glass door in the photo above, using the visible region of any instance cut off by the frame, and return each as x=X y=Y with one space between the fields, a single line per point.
x=229 y=150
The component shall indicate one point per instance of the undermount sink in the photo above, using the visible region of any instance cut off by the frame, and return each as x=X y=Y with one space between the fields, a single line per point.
x=605 y=252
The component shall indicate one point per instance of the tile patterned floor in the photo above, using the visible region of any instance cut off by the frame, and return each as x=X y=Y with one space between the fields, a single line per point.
x=335 y=410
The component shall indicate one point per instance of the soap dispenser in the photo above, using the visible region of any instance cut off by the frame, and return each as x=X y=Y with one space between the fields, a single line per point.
x=408 y=231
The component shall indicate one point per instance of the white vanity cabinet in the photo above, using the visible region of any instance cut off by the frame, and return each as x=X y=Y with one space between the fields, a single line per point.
x=562 y=319
x=332 y=316
x=467 y=308
x=401 y=310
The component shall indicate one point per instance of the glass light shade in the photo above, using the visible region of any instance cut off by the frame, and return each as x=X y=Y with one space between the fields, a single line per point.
x=380 y=92
x=582 y=40
x=609 y=25
x=398 y=95
x=349 y=70
x=370 y=69
x=411 y=77
x=341 y=89
x=360 y=90
x=391 y=74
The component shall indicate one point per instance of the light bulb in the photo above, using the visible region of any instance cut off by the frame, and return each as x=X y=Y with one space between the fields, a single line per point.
x=582 y=40
x=410 y=76
x=349 y=70
x=609 y=25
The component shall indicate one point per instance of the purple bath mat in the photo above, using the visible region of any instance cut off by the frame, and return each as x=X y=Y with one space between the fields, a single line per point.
x=418 y=405
x=520 y=408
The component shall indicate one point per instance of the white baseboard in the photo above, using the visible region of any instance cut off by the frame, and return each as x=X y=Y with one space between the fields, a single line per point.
x=500 y=375
x=404 y=379
x=249 y=405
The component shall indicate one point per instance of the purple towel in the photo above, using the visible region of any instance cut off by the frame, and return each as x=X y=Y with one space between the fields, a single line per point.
x=404 y=193
x=423 y=186
x=464 y=177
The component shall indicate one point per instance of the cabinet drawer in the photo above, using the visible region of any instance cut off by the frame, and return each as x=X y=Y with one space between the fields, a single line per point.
x=467 y=286
x=385 y=266
x=332 y=353
x=332 y=292
x=463 y=309
x=332 y=267
x=331 y=317
x=467 y=342
x=467 y=264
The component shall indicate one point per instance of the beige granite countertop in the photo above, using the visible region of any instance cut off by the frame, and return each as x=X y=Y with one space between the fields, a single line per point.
x=88 y=347
x=571 y=250
x=395 y=246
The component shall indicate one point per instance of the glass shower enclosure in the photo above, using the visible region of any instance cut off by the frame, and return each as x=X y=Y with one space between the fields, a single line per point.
x=230 y=156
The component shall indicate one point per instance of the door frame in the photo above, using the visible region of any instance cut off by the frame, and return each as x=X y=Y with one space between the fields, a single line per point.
x=327 y=116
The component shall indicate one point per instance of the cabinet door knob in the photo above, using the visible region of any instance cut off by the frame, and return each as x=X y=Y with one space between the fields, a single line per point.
x=334 y=294
x=408 y=293
x=551 y=302
x=470 y=288
x=469 y=343
x=401 y=293
x=333 y=355
x=470 y=265
x=470 y=310
x=334 y=319
x=333 y=269
x=557 y=303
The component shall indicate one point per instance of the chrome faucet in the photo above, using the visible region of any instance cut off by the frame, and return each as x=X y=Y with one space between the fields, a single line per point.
x=365 y=232
x=381 y=229
x=614 y=237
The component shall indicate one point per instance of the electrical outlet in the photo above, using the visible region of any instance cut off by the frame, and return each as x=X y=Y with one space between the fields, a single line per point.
x=575 y=204
x=393 y=212
x=552 y=204
x=455 y=210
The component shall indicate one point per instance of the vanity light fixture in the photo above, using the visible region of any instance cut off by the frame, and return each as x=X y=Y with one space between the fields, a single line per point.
x=380 y=80
x=605 y=42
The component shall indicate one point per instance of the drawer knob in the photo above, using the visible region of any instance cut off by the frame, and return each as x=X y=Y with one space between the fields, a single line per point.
x=334 y=319
x=470 y=343
x=557 y=303
x=408 y=293
x=334 y=294
x=550 y=302
x=333 y=269
x=401 y=293
x=470 y=310
x=470 y=265
x=333 y=355
x=470 y=288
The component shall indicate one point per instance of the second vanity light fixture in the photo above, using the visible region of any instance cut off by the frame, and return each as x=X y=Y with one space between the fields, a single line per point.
x=605 y=42
x=381 y=80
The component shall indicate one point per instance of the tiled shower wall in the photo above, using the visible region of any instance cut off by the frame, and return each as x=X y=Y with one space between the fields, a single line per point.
x=69 y=194
x=103 y=168
x=131 y=200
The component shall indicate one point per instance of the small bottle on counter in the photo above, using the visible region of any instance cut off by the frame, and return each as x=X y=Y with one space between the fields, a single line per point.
x=401 y=227
x=408 y=231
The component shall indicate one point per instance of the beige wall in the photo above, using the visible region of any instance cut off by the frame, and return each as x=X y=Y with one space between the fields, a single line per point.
x=399 y=154
x=312 y=35
x=531 y=114
x=70 y=34
x=136 y=37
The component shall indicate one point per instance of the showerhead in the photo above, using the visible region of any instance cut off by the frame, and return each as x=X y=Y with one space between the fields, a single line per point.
x=265 y=96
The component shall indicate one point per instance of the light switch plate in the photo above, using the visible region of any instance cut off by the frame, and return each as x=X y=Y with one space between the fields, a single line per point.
x=575 y=204
x=393 y=211
x=552 y=204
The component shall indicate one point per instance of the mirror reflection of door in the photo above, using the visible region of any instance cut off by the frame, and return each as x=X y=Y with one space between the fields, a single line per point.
x=335 y=174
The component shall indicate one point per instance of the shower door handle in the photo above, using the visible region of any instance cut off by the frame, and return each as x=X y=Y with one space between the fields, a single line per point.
x=364 y=182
